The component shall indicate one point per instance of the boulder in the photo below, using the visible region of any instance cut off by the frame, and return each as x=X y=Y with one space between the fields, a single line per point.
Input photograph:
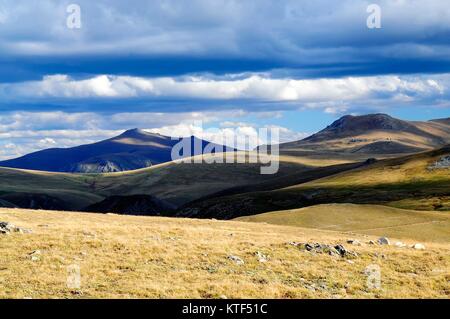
x=35 y=255
x=383 y=241
x=399 y=244
x=341 y=250
x=354 y=242
x=419 y=246
x=6 y=228
x=236 y=260
x=261 y=257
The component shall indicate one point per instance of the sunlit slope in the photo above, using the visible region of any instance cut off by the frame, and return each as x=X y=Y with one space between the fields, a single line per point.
x=364 y=219
x=377 y=135
x=153 y=257
x=405 y=182
x=176 y=183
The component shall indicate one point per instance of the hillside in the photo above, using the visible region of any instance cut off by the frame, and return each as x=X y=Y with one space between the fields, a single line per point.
x=410 y=182
x=175 y=183
x=374 y=135
x=154 y=257
x=372 y=220
x=131 y=150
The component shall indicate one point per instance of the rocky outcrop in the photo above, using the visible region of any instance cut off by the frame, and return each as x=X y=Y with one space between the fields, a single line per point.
x=6 y=228
x=442 y=163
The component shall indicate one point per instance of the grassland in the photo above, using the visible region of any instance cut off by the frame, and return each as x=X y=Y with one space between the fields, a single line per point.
x=148 y=257
x=176 y=183
x=364 y=219
x=404 y=182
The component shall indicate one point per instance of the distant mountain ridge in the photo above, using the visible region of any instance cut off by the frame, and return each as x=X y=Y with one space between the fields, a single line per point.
x=376 y=134
x=357 y=137
x=133 y=149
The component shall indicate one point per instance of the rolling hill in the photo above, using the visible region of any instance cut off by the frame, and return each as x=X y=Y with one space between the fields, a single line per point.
x=131 y=150
x=372 y=220
x=409 y=182
x=310 y=175
x=175 y=183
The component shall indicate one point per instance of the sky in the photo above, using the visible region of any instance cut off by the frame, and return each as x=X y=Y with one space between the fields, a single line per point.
x=182 y=67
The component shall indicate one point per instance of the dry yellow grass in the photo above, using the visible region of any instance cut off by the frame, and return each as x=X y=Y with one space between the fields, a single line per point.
x=373 y=220
x=147 y=257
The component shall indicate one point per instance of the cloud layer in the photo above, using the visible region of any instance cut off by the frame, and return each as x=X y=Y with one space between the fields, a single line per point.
x=253 y=87
x=162 y=64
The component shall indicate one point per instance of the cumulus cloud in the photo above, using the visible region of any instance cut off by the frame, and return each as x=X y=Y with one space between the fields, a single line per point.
x=239 y=28
x=244 y=136
x=253 y=87
x=25 y=132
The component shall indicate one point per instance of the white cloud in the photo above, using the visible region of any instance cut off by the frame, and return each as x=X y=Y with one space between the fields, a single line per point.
x=234 y=134
x=25 y=132
x=254 y=87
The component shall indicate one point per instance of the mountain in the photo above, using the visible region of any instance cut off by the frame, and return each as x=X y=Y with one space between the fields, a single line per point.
x=134 y=149
x=375 y=134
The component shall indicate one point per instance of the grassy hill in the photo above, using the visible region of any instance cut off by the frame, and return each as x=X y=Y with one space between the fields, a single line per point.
x=364 y=219
x=405 y=182
x=153 y=257
x=176 y=183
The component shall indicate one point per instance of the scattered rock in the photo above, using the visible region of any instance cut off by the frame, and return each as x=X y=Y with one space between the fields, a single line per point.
x=371 y=242
x=337 y=250
x=76 y=292
x=442 y=163
x=384 y=241
x=261 y=257
x=399 y=244
x=341 y=250
x=294 y=243
x=354 y=242
x=418 y=246
x=236 y=260
x=351 y=262
x=88 y=233
x=6 y=228
x=35 y=255
x=223 y=297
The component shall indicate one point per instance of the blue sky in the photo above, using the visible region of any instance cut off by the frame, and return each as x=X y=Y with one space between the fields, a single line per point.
x=166 y=65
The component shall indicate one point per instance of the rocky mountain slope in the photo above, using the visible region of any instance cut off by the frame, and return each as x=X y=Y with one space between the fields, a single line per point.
x=131 y=150
x=375 y=134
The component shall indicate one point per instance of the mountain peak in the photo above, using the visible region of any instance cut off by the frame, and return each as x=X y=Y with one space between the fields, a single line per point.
x=138 y=133
x=350 y=125
x=378 y=121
